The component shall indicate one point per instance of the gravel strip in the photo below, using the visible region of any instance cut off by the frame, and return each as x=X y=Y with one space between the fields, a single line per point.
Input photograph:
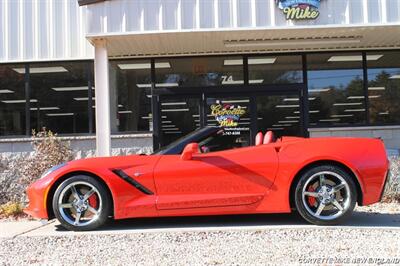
x=258 y=247
x=320 y=245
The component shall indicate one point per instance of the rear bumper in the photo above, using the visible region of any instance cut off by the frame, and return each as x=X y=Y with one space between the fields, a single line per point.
x=37 y=195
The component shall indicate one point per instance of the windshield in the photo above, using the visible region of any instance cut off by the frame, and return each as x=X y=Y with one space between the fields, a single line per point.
x=181 y=140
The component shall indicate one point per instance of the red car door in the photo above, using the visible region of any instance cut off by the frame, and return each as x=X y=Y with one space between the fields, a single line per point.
x=225 y=178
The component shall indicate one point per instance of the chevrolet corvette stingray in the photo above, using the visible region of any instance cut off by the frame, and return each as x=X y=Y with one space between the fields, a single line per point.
x=203 y=174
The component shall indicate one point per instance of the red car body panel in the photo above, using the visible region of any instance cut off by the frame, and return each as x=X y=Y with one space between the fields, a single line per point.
x=254 y=179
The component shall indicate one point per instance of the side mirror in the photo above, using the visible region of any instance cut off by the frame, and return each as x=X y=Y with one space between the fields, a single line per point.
x=189 y=150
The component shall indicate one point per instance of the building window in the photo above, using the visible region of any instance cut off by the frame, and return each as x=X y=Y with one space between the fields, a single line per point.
x=335 y=88
x=12 y=100
x=130 y=85
x=199 y=71
x=275 y=69
x=384 y=88
x=59 y=96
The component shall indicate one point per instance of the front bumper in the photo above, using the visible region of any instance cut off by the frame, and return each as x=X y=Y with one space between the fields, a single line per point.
x=37 y=195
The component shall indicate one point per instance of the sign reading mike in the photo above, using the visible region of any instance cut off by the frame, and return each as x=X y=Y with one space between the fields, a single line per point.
x=299 y=9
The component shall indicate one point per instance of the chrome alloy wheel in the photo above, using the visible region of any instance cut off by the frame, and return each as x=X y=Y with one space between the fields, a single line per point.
x=326 y=195
x=80 y=203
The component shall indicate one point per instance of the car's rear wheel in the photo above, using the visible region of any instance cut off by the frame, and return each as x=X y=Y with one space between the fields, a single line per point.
x=325 y=195
x=81 y=203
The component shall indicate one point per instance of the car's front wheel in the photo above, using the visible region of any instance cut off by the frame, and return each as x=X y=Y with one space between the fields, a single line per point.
x=81 y=203
x=325 y=195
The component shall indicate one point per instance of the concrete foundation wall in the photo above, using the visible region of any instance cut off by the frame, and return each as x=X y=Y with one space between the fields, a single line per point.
x=389 y=134
x=84 y=146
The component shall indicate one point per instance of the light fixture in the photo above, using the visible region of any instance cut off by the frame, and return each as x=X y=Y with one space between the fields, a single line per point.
x=138 y=66
x=167 y=126
x=319 y=90
x=175 y=110
x=336 y=116
x=148 y=85
x=276 y=128
x=330 y=120
x=261 y=61
x=170 y=129
x=395 y=77
x=19 y=101
x=256 y=81
x=172 y=132
x=83 y=88
x=288 y=106
x=354 y=110
x=196 y=115
x=288 y=42
x=233 y=62
x=6 y=91
x=166 y=122
x=44 y=108
x=352 y=58
x=83 y=98
x=125 y=112
x=292 y=117
x=384 y=113
x=236 y=101
x=251 y=61
x=288 y=121
x=374 y=96
x=40 y=70
x=355 y=97
x=291 y=99
x=346 y=104
x=176 y=103
x=376 y=88
x=60 y=114
x=244 y=123
x=314 y=111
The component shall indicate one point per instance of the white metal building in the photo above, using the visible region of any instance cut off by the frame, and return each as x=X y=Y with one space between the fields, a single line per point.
x=341 y=69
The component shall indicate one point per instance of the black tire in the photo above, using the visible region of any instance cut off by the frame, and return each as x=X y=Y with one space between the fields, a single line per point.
x=325 y=195
x=80 y=183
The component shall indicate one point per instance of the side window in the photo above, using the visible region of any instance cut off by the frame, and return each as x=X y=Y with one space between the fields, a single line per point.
x=221 y=141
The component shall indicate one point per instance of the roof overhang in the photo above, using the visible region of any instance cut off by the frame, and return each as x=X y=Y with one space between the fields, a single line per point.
x=234 y=41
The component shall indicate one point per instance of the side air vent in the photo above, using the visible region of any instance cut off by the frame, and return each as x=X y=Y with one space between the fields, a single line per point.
x=132 y=181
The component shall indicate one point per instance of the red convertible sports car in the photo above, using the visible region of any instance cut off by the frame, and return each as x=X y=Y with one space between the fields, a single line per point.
x=321 y=178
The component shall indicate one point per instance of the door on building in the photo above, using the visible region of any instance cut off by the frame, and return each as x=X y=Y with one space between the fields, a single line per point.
x=179 y=115
x=243 y=114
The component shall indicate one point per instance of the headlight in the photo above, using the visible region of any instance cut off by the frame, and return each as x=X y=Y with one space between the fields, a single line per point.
x=54 y=168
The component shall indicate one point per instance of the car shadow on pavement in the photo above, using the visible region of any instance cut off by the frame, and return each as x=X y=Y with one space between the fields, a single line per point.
x=358 y=219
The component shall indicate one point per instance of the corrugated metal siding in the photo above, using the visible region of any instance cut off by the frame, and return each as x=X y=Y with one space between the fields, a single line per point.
x=161 y=15
x=41 y=30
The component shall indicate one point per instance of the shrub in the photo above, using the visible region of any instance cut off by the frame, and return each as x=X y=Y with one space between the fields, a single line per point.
x=392 y=189
x=48 y=152
x=9 y=209
x=19 y=173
